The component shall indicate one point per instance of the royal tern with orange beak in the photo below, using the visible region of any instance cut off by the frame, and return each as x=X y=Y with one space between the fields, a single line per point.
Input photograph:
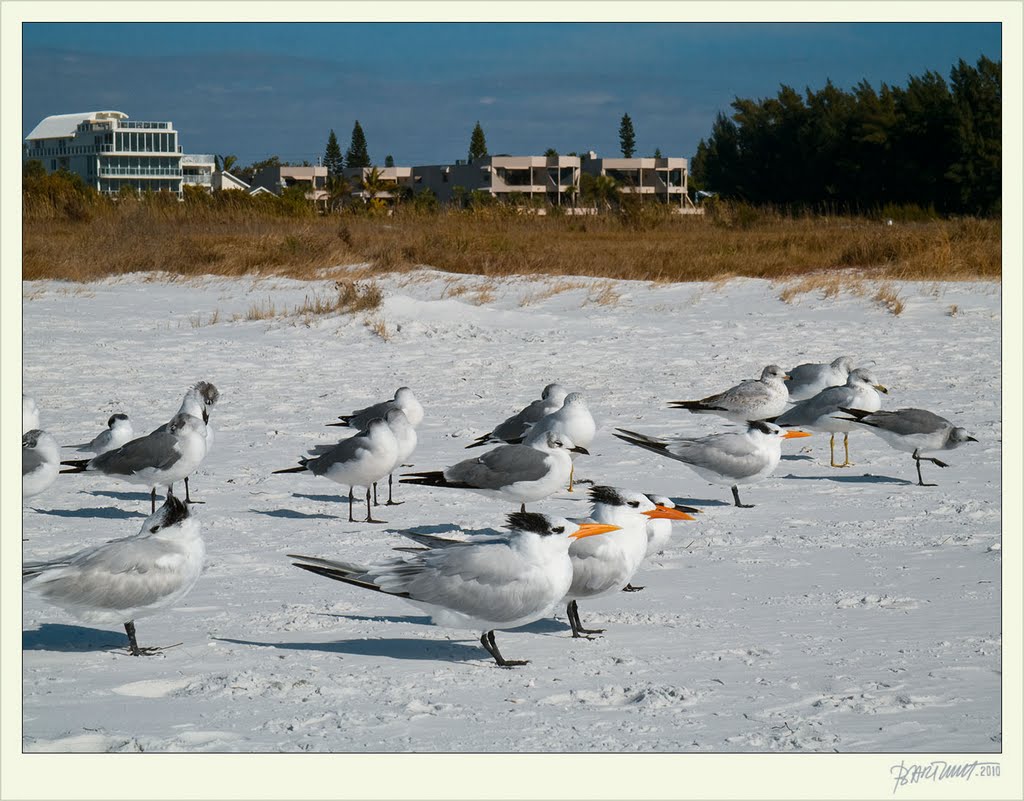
x=502 y=583
x=516 y=473
x=404 y=399
x=514 y=428
x=747 y=401
x=729 y=459
x=603 y=566
x=818 y=413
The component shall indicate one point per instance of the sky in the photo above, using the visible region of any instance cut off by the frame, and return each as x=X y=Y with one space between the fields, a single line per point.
x=417 y=89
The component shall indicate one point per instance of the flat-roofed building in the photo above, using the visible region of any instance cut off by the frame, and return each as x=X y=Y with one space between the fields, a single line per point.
x=381 y=183
x=198 y=170
x=279 y=177
x=663 y=179
x=554 y=178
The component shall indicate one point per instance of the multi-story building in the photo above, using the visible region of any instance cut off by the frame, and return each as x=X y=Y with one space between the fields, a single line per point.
x=279 y=177
x=662 y=179
x=390 y=181
x=198 y=170
x=555 y=178
x=109 y=151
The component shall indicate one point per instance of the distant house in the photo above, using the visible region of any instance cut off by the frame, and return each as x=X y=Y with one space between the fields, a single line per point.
x=663 y=179
x=225 y=180
x=554 y=178
x=110 y=151
x=279 y=177
x=391 y=181
x=198 y=170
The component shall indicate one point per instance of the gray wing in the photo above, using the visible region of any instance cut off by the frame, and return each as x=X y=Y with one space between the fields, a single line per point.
x=361 y=417
x=156 y=450
x=500 y=467
x=805 y=373
x=31 y=460
x=743 y=393
x=517 y=425
x=727 y=454
x=825 y=402
x=906 y=422
x=438 y=543
x=348 y=450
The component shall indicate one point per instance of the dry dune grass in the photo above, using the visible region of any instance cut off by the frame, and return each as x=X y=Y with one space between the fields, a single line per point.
x=500 y=243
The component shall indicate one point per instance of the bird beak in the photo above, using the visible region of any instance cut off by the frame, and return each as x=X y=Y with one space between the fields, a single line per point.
x=787 y=377
x=668 y=514
x=578 y=449
x=590 y=529
x=206 y=416
x=340 y=425
x=880 y=388
x=796 y=434
x=971 y=439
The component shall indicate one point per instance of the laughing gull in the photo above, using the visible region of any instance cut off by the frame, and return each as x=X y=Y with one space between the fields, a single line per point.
x=749 y=400
x=807 y=380
x=117 y=433
x=913 y=431
x=728 y=459
x=29 y=414
x=516 y=473
x=404 y=399
x=125 y=579
x=199 y=401
x=357 y=461
x=169 y=454
x=603 y=566
x=40 y=462
x=859 y=392
x=574 y=420
x=502 y=583
x=514 y=428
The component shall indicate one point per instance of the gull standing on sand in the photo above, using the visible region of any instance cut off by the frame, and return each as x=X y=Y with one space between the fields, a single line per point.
x=198 y=402
x=501 y=583
x=913 y=431
x=603 y=566
x=404 y=399
x=125 y=579
x=573 y=420
x=169 y=454
x=514 y=428
x=519 y=474
x=807 y=380
x=729 y=459
x=118 y=431
x=29 y=414
x=859 y=392
x=358 y=461
x=752 y=399
x=40 y=462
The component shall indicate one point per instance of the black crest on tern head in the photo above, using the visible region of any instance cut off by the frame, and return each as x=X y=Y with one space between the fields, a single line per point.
x=31 y=438
x=529 y=521
x=171 y=513
x=608 y=495
x=762 y=426
x=209 y=392
x=114 y=418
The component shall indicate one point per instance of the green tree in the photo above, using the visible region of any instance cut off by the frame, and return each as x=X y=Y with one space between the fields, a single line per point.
x=657 y=153
x=389 y=160
x=333 y=160
x=225 y=163
x=627 y=138
x=339 y=192
x=357 y=154
x=477 y=143
x=601 y=191
x=977 y=99
x=373 y=184
x=551 y=153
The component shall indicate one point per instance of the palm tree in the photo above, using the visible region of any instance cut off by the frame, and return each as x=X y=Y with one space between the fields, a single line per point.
x=225 y=163
x=373 y=183
x=339 y=191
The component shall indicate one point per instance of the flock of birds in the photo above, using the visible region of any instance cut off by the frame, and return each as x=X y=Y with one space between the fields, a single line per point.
x=483 y=581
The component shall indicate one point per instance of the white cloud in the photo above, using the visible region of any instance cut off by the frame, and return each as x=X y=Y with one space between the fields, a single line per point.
x=488 y=101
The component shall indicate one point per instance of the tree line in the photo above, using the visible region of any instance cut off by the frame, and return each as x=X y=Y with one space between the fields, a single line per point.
x=930 y=143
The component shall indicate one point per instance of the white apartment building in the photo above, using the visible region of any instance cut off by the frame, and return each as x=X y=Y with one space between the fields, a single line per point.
x=198 y=170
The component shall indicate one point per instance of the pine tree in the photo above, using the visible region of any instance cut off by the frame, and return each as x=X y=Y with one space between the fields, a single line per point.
x=657 y=153
x=332 y=155
x=389 y=161
x=357 y=155
x=627 y=139
x=477 y=143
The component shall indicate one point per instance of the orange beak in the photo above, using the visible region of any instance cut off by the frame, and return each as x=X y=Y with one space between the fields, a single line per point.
x=668 y=514
x=796 y=434
x=590 y=529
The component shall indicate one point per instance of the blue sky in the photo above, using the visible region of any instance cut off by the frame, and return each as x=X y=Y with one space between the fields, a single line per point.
x=260 y=89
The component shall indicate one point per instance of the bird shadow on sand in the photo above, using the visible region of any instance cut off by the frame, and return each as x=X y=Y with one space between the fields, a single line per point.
x=864 y=478
x=70 y=639
x=546 y=625
x=121 y=496
x=422 y=620
x=394 y=647
x=324 y=498
x=797 y=457
x=292 y=513
x=107 y=512
x=699 y=502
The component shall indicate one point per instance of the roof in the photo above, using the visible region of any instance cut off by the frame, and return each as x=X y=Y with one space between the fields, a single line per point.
x=61 y=125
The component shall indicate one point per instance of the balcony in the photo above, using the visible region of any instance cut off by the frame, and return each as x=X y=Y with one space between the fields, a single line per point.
x=139 y=172
x=151 y=126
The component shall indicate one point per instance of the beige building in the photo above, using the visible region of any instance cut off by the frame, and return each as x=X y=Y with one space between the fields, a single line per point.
x=554 y=178
x=663 y=179
x=278 y=178
x=391 y=181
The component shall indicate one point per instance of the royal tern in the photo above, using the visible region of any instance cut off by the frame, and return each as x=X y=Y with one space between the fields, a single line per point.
x=603 y=566
x=169 y=454
x=40 y=462
x=515 y=427
x=117 y=433
x=859 y=392
x=199 y=401
x=516 y=473
x=807 y=380
x=125 y=579
x=659 y=529
x=357 y=461
x=729 y=459
x=29 y=414
x=913 y=431
x=574 y=420
x=749 y=400
x=404 y=399
x=502 y=583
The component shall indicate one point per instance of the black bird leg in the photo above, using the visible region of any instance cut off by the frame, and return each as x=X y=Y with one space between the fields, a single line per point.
x=369 y=514
x=133 y=645
x=918 y=459
x=631 y=588
x=391 y=484
x=522 y=507
x=187 y=498
x=375 y=494
x=351 y=498
x=152 y=500
x=573 y=612
x=736 y=497
x=487 y=641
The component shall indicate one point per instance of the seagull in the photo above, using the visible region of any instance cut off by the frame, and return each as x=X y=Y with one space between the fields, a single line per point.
x=125 y=579
x=501 y=583
x=40 y=462
x=573 y=420
x=117 y=433
x=404 y=400
x=515 y=427
x=659 y=529
x=730 y=459
x=516 y=473
x=807 y=380
x=749 y=400
x=357 y=461
x=167 y=455
x=859 y=392
x=198 y=402
x=603 y=566
x=913 y=431
x=29 y=414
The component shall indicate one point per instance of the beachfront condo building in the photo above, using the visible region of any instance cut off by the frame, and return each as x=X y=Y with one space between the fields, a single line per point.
x=554 y=178
x=663 y=179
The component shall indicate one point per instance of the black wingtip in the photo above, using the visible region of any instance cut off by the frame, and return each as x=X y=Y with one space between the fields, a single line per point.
x=76 y=465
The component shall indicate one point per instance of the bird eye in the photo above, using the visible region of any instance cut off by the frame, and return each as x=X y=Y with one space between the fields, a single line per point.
x=154 y=530
x=634 y=504
x=559 y=530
